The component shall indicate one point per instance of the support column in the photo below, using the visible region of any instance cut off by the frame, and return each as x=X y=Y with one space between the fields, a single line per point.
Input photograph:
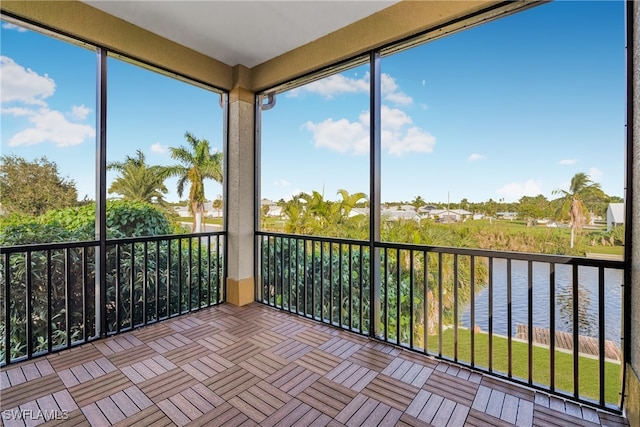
x=240 y=190
x=632 y=291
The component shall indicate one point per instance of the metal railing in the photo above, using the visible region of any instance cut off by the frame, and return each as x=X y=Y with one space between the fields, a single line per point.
x=51 y=297
x=462 y=305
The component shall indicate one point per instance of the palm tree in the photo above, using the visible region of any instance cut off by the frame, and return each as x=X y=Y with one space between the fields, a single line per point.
x=138 y=181
x=572 y=201
x=349 y=201
x=197 y=164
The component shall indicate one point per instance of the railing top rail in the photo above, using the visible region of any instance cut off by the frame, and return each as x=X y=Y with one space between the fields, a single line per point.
x=90 y=243
x=48 y=246
x=517 y=256
x=314 y=238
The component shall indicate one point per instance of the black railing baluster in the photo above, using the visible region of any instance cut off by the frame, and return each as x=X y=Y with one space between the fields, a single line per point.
x=297 y=276
x=425 y=257
x=305 y=278
x=490 y=314
x=360 y=281
x=289 y=281
x=168 y=285
x=67 y=294
x=331 y=307
x=313 y=279
x=29 y=305
x=411 y=283
x=398 y=296
x=455 y=307
x=351 y=287
x=322 y=318
x=601 y=335
x=117 y=289
x=49 y=304
x=199 y=278
x=341 y=286
x=190 y=275
x=440 y=304
x=85 y=294
x=157 y=282
x=530 y=319
x=132 y=284
x=552 y=326
x=576 y=332
x=145 y=278
x=472 y=312
x=509 y=320
x=386 y=295
x=180 y=290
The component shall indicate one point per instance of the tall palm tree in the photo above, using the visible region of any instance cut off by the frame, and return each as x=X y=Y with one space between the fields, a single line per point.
x=138 y=181
x=197 y=164
x=581 y=187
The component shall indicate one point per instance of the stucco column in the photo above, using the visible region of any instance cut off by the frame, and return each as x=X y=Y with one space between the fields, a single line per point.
x=240 y=190
x=632 y=386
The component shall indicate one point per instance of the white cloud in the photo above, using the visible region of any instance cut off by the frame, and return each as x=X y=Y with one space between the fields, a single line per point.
x=567 y=162
x=23 y=84
x=79 y=112
x=391 y=91
x=333 y=85
x=51 y=125
x=345 y=136
x=18 y=111
x=595 y=174
x=282 y=183
x=159 y=148
x=10 y=26
x=515 y=190
x=424 y=82
x=415 y=140
x=475 y=157
x=337 y=84
x=341 y=135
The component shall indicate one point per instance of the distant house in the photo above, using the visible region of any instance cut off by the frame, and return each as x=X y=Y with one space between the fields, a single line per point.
x=395 y=213
x=507 y=215
x=615 y=215
x=450 y=215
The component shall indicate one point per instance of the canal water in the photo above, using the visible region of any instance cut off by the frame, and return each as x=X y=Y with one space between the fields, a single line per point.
x=588 y=299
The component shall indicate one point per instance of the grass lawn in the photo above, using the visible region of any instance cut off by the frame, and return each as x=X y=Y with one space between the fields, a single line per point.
x=588 y=367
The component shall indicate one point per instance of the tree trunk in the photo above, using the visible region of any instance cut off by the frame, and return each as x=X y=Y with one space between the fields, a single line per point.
x=572 y=232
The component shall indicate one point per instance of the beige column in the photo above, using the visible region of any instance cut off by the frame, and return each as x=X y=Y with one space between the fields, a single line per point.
x=240 y=190
x=632 y=386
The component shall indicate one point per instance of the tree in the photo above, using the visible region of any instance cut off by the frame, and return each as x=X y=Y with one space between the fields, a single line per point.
x=197 y=164
x=349 y=201
x=138 y=181
x=581 y=187
x=533 y=208
x=34 y=187
x=418 y=202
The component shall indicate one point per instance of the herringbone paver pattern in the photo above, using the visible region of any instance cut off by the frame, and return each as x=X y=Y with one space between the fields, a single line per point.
x=256 y=366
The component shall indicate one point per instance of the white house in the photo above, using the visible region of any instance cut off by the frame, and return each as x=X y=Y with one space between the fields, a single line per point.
x=615 y=215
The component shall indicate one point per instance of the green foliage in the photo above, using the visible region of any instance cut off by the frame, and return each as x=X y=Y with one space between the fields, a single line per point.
x=124 y=219
x=138 y=181
x=34 y=187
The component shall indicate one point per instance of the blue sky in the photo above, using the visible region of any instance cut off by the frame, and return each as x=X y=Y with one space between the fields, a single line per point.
x=511 y=108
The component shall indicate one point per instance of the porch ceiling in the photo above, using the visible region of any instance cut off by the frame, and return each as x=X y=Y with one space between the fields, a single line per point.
x=241 y=32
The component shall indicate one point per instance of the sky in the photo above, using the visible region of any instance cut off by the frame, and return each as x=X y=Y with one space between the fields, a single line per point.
x=511 y=108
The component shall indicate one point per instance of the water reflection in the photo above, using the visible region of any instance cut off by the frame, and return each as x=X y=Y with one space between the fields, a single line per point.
x=563 y=299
